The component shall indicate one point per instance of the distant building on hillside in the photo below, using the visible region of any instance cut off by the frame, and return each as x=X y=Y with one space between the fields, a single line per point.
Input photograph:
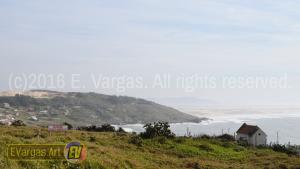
x=7 y=120
x=34 y=118
x=44 y=112
x=251 y=135
x=6 y=105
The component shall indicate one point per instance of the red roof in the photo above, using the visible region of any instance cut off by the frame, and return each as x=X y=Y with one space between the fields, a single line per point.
x=247 y=129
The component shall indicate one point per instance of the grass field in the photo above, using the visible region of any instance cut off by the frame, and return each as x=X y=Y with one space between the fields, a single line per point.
x=119 y=150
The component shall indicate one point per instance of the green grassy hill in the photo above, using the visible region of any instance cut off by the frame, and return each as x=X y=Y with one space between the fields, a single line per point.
x=90 y=108
x=118 y=150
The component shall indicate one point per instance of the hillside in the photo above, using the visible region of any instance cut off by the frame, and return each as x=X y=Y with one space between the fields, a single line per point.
x=43 y=107
x=115 y=150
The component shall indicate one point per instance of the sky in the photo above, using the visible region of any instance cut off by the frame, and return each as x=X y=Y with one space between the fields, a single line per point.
x=57 y=42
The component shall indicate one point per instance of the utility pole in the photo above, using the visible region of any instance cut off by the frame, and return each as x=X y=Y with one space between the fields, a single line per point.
x=188 y=133
x=277 y=140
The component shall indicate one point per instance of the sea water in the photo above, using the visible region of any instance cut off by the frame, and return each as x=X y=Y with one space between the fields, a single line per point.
x=280 y=124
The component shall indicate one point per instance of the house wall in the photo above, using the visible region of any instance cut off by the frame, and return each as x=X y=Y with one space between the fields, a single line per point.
x=258 y=138
x=243 y=137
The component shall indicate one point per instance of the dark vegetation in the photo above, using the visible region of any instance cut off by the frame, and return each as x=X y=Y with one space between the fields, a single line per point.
x=18 y=123
x=157 y=129
x=289 y=150
x=102 y=128
x=226 y=137
x=222 y=137
x=70 y=127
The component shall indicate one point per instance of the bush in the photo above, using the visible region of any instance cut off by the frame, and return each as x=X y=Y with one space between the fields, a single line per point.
x=226 y=137
x=279 y=148
x=18 y=123
x=69 y=125
x=92 y=139
x=107 y=128
x=205 y=136
x=102 y=128
x=284 y=149
x=136 y=140
x=121 y=130
x=157 y=129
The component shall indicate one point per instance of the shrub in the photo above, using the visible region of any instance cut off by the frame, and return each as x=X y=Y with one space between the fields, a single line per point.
x=157 y=129
x=92 y=139
x=121 y=130
x=284 y=149
x=279 y=147
x=226 y=137
x=18 y=123
x=136 y=140
x=107 y=127
x=69 y=125
x=205 y=136
x=102 y=128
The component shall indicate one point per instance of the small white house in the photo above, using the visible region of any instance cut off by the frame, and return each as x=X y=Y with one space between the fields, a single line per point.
x=6 y=105
x=34 y=118
x=252 y=135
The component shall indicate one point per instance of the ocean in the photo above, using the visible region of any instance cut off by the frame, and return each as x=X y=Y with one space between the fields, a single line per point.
x=281 y=121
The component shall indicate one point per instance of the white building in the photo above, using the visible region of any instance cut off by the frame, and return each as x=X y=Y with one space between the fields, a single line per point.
x=34 y=118
x=251 y=135
x=6 y=105
x=5 y=122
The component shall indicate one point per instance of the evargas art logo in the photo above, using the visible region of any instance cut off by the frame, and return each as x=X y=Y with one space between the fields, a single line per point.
x=75 y=152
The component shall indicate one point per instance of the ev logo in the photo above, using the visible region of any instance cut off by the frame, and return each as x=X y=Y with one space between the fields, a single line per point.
x=75 y=152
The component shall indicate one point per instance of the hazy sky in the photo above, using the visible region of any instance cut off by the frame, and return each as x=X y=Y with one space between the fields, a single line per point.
x=142 y=38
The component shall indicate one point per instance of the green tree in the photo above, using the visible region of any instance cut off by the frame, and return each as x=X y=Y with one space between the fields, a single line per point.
x=157 y=129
